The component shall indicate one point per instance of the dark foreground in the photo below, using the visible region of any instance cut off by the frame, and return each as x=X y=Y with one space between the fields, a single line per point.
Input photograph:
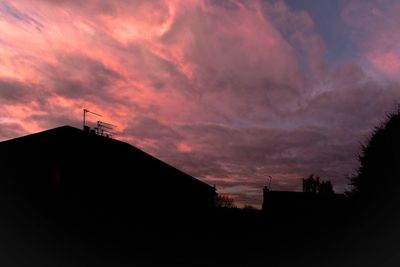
x=73 y=198
x=33 y=236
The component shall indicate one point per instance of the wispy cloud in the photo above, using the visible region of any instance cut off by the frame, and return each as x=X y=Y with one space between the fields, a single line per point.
x=11 y=13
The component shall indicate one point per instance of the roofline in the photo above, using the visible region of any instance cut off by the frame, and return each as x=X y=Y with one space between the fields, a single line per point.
x=119 y=141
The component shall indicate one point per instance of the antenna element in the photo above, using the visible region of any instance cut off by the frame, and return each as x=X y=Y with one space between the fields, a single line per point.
x=84 y=116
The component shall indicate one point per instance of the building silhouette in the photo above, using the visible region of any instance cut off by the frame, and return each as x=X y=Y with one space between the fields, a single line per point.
x=67 y=169
x=301 y=204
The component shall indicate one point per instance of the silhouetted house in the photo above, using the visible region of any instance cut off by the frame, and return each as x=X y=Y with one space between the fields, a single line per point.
x=287 y=203
x=68 y=168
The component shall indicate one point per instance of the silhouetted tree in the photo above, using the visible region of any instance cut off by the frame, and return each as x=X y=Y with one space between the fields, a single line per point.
x=224 y=201
x=378 y=176
x=313 y=184
x=325 y=188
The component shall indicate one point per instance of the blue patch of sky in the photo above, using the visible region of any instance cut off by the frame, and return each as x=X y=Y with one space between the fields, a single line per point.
x=330 y=26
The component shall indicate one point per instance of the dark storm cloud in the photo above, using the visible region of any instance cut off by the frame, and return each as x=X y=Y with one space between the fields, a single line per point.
x=246 y=157
x=14 y=92
x=145 y=127
x=77 y=76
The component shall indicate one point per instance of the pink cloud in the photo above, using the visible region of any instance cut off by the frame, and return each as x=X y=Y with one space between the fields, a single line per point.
x=184 y=147
x=374 y=26
x=386 y=62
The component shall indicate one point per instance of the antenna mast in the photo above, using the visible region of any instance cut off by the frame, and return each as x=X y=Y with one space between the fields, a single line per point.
x=84 y=116
x=269 y=184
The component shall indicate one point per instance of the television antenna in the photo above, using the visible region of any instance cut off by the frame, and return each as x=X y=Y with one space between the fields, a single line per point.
x=105 y=128
x=84 y=116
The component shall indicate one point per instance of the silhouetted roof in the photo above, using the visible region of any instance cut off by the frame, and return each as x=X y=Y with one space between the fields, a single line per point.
x=91 y=145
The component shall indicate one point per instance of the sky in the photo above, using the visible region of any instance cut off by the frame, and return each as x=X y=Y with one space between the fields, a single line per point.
x=229 y=91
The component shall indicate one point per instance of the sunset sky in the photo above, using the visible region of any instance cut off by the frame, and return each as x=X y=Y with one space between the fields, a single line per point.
x=229 y=91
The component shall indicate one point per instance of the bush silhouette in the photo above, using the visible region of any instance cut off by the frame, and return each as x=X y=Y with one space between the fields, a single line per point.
x=377 y=180
x=224 y=201
x=313 y=184
x=325 y=188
